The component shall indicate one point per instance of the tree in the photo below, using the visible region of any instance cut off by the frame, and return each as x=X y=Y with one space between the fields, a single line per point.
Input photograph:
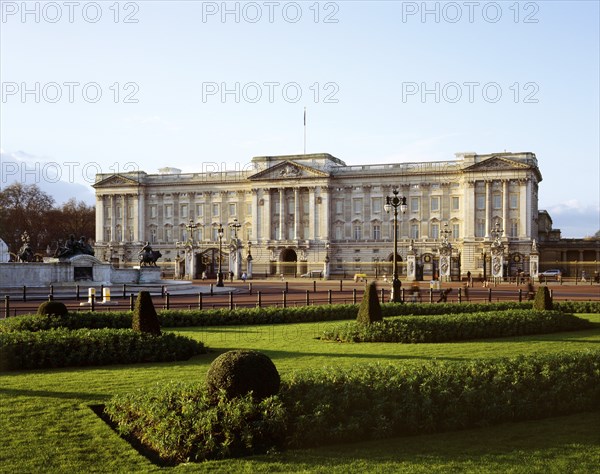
x=25 y=208
x=75 y=218
x=369 y=310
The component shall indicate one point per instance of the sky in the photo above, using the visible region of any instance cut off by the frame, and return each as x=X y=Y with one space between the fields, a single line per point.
x=89 y=87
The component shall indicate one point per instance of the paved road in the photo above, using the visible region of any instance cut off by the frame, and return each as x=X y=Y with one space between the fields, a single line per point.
x=293 y=292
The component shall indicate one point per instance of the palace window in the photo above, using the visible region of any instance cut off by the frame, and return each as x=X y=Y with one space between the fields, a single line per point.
x=435 y=231
x=357 y=231
x=376 y=205
x=107 y=234
x=435 y=204
x=414 y=204
x=376 y=232
x=168 y=211
x=497 y=201
x=513 y=201
x=480 y=201
x=456 y=231
x=480 y=228
x=357 y=205
x=455 y=203
x=168 y=234
x=338 y=232
x=184 y=211
x=232 y=209
x=514 y=228
x=199 y=210
x=339 y=206
x=118 y=209
x=216 y=209
x=153 y=236
x=152 y=212
x=414 y=231
x=248 y=208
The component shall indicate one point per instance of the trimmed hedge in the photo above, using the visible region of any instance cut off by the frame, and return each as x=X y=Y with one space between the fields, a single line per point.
x=458 y=327
x=270 y=315
x=64 y=348
x=334 y=405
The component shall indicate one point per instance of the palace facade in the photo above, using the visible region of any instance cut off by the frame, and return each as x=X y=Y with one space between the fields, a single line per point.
x=296 y=214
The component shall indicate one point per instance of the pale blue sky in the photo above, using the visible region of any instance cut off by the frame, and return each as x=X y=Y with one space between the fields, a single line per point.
x=544 y=62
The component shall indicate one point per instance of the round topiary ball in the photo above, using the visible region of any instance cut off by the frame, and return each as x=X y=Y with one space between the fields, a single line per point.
x=241 y=372
x=53 y=307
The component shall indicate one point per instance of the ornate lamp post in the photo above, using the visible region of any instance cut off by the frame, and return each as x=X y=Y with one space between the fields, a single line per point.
x=394 y=203
x=190 y=227
x=220 y=272
x=235 y=255
x=497 y=249
x=249 y=260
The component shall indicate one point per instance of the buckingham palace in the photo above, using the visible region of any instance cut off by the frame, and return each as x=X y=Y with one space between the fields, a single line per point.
x=312 y=214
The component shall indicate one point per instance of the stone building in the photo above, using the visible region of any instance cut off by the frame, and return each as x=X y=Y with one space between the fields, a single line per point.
x=294 y=213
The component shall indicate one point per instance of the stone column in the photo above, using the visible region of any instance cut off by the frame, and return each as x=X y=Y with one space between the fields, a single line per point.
x=523 y=224
x=468 y=210
x=99 y=218
x=296 y=214
x=324 y=221
x=113 y=217
x=488 y=208
x=312 y=224
x=505 y=205
x=255 y=225
x=281 y=235
x=268 y=234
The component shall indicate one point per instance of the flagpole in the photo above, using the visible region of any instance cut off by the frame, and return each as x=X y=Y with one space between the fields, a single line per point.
x=305 y=130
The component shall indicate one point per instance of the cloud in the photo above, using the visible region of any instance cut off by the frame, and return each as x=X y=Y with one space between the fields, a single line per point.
x=61 y=180
x=153 y=122
x=574 y=219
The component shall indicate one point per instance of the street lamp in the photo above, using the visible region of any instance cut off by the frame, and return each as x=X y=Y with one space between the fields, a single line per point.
x=395 y=202
x=220 y=272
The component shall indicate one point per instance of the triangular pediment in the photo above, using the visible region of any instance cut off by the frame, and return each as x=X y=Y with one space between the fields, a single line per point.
x=116 y=180
x=497 y=163
x=289 y=170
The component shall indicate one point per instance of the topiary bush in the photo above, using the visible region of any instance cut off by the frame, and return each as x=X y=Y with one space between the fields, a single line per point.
x=543 y=300
x=241 y=372
x=369 y=310
x=52 y=307
x=145 y=318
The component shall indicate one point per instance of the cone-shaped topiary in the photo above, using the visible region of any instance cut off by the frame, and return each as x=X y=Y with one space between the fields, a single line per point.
x=145 y=318
x=53 y=307
x=369 y=310
x=241 y=372
x=543 y=300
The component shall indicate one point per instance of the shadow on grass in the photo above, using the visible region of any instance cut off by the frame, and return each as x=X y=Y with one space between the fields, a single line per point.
x=16 y=392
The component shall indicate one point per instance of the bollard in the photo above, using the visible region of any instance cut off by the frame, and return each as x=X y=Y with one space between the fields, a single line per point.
x=93 y=303
x=341 y=285
x=77 y=297
x=431 y=295
x=131 y=302
x=199 y=300
x=550 y=291
x=286 y=286
x=460 y=295
x=383 y=295
x=211 y=289
x=24 y=293
x=250 y=288
x=167 y=300
x=314 y=286
x=105 y=295
x=329 y=296
x=101 y=290
x=307 y=298
x=258 y=299
x=520 y=295
x=124 y=290
x=230 y=300
x=91 y=295
x=402 y=295
x=162 y=291
x=353 y=295
x=6 y=306
x=52 y=290
x=489 y=295
x=284 y=301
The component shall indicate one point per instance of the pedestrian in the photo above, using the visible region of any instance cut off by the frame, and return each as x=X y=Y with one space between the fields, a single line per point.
x=204 y=275
x=231 y=276
x=244 y=276
x=469 y=281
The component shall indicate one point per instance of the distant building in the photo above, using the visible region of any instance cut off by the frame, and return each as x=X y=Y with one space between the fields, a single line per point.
x=296 y=210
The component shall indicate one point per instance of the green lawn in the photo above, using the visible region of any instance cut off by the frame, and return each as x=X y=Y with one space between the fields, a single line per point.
x=47 y=426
